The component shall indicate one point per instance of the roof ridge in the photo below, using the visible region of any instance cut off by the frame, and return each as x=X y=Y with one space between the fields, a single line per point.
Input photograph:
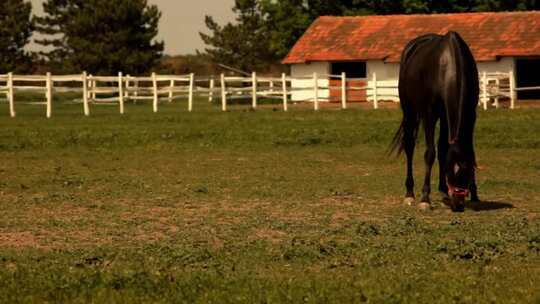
x=433 y=14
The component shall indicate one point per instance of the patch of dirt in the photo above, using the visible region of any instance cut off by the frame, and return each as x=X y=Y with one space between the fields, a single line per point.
x=270 y=235
x=19 y=240
x=527 y=104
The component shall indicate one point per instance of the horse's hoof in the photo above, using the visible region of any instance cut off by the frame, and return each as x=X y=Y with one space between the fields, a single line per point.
x=423 y=206
x=458 y=207
x=457 y=204
x=409 y=201
x=475 y=203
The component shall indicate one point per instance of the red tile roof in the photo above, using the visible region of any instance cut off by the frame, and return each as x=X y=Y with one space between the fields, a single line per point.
x=489 y=35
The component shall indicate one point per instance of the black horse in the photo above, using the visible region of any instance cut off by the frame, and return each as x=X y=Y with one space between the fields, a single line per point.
x=438 y=80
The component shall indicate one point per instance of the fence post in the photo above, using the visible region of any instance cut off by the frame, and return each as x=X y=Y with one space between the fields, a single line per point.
x=155 y=91
x=126 y=92
x=498 y=84
x=171 y=87
x=316 y=91
x=49 y=87
x=11 y=95
x=484 y=90
x=190 y=98
x=343 y=90
x=223 y=94
x=211 y=93
x=136 y=91
x=375 y=97
x=254 y=90
x=86 y=109
x=89 y=87
x=121 y=92
x=513 y=95
x=271 y=85
x=93 y=84
x=284 y=82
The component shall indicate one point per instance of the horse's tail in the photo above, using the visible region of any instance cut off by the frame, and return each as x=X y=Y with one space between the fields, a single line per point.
x=397 y=145
x=406 y=134
x=461 y=101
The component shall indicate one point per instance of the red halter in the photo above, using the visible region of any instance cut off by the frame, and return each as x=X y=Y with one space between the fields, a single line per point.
x=456 y=191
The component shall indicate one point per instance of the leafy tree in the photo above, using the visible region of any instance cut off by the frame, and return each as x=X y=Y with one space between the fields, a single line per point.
x=16 y=27
x=266 y=30
x=263 y=31
x=243 y=45
x=101 y=36
x=506 y=5
x=286 y=22
x=382 y=7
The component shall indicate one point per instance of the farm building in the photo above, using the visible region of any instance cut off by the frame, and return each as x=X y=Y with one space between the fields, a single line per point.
x=369 y=47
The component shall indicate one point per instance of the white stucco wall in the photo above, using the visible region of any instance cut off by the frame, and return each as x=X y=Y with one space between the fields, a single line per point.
x=387 y=75
x=504 y=65
x=307 y=70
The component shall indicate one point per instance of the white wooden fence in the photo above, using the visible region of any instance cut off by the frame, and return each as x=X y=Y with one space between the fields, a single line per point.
x=93 y=88
x=315 y=87
x=118 y=90
x=494 y=86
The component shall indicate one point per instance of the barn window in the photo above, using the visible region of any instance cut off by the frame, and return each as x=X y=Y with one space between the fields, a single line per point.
x=527 y=76
x=352 y=69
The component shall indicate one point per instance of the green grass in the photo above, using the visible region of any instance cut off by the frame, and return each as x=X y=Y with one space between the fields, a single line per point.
x=256 y=207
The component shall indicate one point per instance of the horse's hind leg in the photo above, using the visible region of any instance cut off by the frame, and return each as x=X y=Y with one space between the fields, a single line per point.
x=409 y=142
x=429 y=158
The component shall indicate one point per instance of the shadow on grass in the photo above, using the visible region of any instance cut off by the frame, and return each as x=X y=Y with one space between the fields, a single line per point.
x=482 y=205
x=488 y=205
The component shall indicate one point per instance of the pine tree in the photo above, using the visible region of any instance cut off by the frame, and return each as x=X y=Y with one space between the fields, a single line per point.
x=101 y=36
x=16 y=27
x=243 y=45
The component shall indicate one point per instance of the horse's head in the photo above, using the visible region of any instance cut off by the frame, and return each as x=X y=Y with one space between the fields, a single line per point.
x=460 y=167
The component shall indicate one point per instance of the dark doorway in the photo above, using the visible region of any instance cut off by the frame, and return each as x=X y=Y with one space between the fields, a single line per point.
x=352 y=69
x=528 y=75
x=356 y=73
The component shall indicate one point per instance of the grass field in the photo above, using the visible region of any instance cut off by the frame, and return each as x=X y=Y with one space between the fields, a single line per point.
x=256 y=207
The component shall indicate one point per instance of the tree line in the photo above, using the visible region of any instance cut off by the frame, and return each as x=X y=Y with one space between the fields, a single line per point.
x=265 y=30
x=107 y=36
x=98 y=36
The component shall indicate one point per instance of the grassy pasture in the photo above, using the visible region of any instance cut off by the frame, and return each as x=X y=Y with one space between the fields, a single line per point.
x=256 y=207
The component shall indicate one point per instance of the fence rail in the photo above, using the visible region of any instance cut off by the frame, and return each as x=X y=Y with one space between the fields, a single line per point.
x=97 y=90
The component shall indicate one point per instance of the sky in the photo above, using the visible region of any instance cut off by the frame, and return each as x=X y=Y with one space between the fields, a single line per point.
x=181 y=22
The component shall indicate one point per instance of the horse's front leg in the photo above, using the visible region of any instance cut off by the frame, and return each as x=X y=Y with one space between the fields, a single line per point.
x=442 y=151
x=429 y=158
x=474 y=190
